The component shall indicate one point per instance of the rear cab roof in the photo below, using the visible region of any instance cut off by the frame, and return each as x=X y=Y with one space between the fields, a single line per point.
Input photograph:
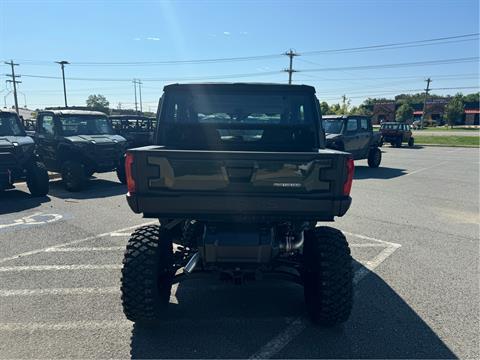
x=240 y=87
x=61 y=112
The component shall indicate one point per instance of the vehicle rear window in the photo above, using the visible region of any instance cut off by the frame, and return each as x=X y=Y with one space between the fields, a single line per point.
x=239 y=108
x=390 y=126
x=238 y=121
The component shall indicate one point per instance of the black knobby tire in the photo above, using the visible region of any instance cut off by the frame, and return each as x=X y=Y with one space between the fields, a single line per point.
x=374 y=157
x=37 y=179
x=398 y=143
x=328 y=276
x=121 y=173
x=147 y=274
x=411 y=142
x=73 y=176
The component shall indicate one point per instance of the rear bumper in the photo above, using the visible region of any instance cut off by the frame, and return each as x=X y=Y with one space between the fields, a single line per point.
x=242 y=208
x=389 y=138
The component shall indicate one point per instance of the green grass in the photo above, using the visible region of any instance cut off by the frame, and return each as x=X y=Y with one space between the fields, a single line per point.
x=448 y=140
x=455 y=128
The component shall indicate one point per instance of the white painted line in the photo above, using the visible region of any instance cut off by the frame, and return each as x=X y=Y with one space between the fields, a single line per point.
x=74 y=291
x=37 y=251
x=370 y=238
x=281 y=340
x=59 y=291
x=59 y=267
x=70 y=325
x=81 y=249
x=366 y=245
x=274 y=346
x=120 y=234
x=426 y=168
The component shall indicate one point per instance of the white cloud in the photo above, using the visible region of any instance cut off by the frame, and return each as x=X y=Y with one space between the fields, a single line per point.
x=227 y=33
x=243 y=33
x=153 y=38
x=136 y=39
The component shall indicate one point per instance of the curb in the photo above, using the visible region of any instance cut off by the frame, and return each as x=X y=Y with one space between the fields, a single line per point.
x=444 y=145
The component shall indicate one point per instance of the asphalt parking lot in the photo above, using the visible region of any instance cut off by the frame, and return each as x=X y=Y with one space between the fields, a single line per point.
x=414 y=232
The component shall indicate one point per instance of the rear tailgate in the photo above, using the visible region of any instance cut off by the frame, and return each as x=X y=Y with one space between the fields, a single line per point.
x=225 y=184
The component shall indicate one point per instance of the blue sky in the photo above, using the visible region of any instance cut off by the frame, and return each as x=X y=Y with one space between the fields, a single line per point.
x=37 y=33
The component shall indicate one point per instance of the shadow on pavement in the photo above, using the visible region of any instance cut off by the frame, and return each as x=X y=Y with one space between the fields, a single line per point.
x=365 y=172
x=227 y=321
x=95 y=188
x=15 y=200
x=414 y=147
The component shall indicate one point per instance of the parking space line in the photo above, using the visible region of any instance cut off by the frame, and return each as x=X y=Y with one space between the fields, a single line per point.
x=426 y=168
x=70 y=325
x=295 y=328
x=86 y=249
x=59 y=291
x=366 y=245
x=93 y=237
x=60 y=267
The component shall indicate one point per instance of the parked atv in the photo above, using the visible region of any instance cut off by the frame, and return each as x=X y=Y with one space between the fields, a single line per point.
x=353 y=134
x=18 y=161
x=238 y=178
x=77 y=144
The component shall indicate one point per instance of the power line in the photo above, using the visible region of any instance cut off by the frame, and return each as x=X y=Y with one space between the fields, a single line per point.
x=229 y=76
x=394 y=45
x=415 y=43
x=397 y=65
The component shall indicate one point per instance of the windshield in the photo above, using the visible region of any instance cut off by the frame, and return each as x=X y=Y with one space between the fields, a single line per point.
x=85 y=125
x=238 y=121
x=332 y=126
x=10 y=125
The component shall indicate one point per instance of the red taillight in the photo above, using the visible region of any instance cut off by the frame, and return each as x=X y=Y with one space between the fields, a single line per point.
x=131 y=186
x=347 y=186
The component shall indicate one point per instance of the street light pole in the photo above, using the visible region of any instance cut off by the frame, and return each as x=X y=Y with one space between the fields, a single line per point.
x=62 y=64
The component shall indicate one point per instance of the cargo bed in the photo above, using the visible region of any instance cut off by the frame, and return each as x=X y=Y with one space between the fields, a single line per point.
x=243 y=185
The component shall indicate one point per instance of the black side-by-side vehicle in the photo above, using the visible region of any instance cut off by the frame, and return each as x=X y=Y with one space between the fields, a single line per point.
x=137 y=130
x=238 y=177
x=18 y=160
x=77 y=144
x=353 y=134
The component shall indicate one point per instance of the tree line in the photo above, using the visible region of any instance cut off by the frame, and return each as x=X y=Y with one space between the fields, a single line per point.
x=405 y=106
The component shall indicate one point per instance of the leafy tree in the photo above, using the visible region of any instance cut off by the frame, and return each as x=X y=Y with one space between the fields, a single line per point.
x=474 y=97
x=335 y=109
x=324 y=108
x=454 y=110
x=98 y=102
x=404 y=113
x=361 y=110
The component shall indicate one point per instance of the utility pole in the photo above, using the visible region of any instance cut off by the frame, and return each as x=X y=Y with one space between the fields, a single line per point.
x=344 y=101
x=291 y=54
x=14 y=81
x=62 y=64
x=135 y=90
x=425 y=101
x=140 y=93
